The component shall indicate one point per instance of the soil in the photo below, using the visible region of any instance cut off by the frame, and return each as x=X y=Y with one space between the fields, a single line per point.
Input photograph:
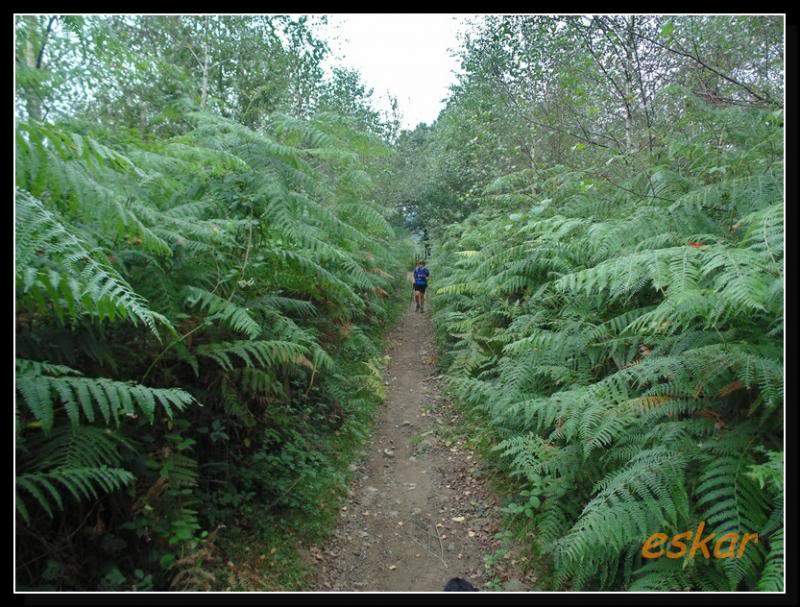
x=418 y=514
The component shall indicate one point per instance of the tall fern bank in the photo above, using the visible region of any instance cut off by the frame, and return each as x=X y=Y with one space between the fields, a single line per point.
x=627 y=352
x=192 y=315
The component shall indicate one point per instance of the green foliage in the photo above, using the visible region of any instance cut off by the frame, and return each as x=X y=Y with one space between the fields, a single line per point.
x=41 y=391
x=57 y=265
x=236 y=317
x=628 y=356
x=206 y=258
x=272 y=270
x=82 y=483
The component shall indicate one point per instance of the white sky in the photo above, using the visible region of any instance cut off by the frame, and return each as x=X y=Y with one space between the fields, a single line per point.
x=403 y=55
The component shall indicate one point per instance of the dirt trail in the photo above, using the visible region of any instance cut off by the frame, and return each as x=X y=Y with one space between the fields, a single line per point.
x=417 y=515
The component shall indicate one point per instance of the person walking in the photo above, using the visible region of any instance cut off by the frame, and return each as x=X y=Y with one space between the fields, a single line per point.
x=421 y=277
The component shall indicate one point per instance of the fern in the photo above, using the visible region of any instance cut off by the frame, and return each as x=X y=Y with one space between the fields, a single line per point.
x=255 y=353
x=732 y=503
x=627 y=358
x=85 y=284
x=81 y=483
x=44 y=393
x=236 y=317
x=266 y=258
x=772 y=574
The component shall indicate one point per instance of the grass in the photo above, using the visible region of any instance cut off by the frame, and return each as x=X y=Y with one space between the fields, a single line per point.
x=417 y=441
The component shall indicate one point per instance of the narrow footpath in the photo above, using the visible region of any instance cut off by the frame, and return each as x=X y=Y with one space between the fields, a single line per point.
x=418 y=513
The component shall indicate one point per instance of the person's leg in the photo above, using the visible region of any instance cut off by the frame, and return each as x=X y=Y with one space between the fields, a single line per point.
x=416 y=298
x=422 y=300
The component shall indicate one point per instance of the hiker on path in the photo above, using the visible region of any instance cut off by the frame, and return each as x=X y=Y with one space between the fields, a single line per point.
x=421 y=277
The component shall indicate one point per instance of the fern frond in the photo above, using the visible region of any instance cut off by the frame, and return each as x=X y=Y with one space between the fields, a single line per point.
x=85 y=284
x=43 y=394
x=236 y=317
x=81 y=483
x=264 y=353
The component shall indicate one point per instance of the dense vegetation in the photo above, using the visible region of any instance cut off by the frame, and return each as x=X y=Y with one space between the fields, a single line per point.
x=210 y=246
x=609 y=297
x=199 y=317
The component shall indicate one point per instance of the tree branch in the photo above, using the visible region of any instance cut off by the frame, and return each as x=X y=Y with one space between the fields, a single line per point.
x=765 y=99
x=44 y=42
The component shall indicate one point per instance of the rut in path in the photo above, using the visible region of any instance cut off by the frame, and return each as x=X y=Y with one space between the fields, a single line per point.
x=417 y=516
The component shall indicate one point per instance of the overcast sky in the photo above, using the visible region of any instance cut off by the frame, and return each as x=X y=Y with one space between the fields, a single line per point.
x=404 y=55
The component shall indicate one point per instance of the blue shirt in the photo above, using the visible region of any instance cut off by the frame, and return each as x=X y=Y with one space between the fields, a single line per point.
x=421 y=276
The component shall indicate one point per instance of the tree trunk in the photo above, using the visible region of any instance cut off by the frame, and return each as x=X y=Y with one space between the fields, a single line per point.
x=33 y=103
x=629 y=67
x=142 y=120
x=204 y=85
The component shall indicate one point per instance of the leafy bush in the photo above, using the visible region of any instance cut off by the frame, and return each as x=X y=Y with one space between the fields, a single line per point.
x=627 y=351
x=189 y=312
